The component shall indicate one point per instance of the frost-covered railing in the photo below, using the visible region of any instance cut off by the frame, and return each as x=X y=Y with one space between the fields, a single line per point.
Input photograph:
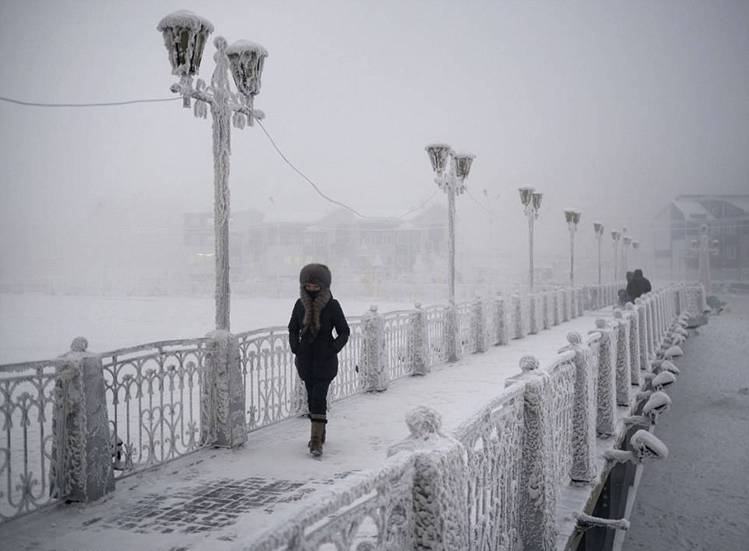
x=466 y=337
x=374 y=510
x=153 y=402
x=268 y=375
x=493 y=440
x=348 y=382
x=436 y=322
x=398 y=328
x=28 y=396
x=512 y=458
x=157 y=405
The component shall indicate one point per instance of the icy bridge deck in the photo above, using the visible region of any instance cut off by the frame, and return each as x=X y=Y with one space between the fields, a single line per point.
x=223 y=499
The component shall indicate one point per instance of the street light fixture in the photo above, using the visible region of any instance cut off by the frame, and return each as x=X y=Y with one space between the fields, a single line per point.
x=185 y=35
x=626 y=242
x=573 y=219
x=450 y=170
x=599 y=229
x=616 y=235
x=531 y=201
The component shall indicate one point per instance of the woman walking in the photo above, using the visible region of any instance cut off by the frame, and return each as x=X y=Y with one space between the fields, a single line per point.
x=315 y=315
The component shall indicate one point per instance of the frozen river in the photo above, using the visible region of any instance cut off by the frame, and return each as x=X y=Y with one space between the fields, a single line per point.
x=40 y=327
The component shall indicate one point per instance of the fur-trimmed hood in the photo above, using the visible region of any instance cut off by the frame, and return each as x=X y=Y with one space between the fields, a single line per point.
x=316 y=273
x=313 y=304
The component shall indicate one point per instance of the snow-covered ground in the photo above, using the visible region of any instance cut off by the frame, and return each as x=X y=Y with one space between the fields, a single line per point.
x=698 y=499
x=40 y=327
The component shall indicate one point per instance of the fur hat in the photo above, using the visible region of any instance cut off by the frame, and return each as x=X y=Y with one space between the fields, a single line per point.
x=316 y=273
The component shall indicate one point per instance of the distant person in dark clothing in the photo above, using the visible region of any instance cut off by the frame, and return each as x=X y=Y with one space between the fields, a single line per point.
x=315 y=315
x=623 y=297
x=638 y=286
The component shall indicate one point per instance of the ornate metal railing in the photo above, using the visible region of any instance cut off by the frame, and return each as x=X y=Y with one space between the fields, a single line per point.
x=28 y=398
x=493 y=439
x=153 y=398
x=153 y=393
x=398 y=327
x=436 y=333
x=348 y=382
x=270 y=380
x=559 y=403
x=466 y=341
x=373 y=512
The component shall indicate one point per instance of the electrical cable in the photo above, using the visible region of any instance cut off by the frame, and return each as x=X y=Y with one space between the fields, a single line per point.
x=94 y=104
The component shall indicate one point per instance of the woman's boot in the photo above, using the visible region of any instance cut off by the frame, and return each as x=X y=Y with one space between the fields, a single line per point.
x=317 y=433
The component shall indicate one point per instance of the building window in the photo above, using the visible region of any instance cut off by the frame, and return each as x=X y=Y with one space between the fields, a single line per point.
x=731 y=252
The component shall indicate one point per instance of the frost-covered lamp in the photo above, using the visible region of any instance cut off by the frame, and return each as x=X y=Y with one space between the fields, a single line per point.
x=439 y=155
x=536 y=201
x=246 y=60
x=462 y=163
x=598 y=228
x=185 y=35
x=526 y=195
x=572 y=217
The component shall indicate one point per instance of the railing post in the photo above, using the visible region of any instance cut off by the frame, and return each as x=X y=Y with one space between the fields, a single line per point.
x=452 y=333
x=634 y=343
x=623 y=359
x=558 y=299
x=606 y=380
x=222 y=395
x=565 y=298
x=574 y=304
x=419 y=342
x=538 y=494
x=584 y=418
x=642 y=333
x=478 y=323
x=374 y=373
x=651 y=326
x=500 y=320
x=580 y=302
x=440 y=474
x=81 y=461
x=517 y=309
x=546 y=307
x=534 y=322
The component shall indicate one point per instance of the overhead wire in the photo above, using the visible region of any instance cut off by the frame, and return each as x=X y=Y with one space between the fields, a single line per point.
x=262 y=127
x=91 y=104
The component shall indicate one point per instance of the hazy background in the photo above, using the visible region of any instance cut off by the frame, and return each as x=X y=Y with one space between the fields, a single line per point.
x=612 y=107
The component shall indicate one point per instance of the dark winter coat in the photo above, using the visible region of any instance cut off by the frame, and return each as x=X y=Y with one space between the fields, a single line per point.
x=638 y=286
x=318 y=358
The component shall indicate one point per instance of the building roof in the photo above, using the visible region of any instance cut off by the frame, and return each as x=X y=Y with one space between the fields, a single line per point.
x=694 y=205
x=691 y=208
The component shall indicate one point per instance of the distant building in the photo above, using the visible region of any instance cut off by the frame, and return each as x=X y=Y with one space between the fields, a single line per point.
x=269 y=248
x=678 y=225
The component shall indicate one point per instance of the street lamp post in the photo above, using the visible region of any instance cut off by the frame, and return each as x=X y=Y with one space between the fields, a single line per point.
x=626 y=242
x=531 y=201
x=573 y=219
x=185 y=36
x=704 y=248
x=616 y=236
x=635 y=252
x=450 y=170
x=598 y=229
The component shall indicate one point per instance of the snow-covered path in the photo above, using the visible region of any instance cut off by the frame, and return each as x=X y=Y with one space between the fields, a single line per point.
x=217 y=499
x=699 y=498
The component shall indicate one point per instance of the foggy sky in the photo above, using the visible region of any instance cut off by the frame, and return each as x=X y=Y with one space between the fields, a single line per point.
x=611 y=107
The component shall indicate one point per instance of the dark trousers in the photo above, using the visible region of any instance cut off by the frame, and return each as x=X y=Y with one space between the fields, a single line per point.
x=317 y=394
